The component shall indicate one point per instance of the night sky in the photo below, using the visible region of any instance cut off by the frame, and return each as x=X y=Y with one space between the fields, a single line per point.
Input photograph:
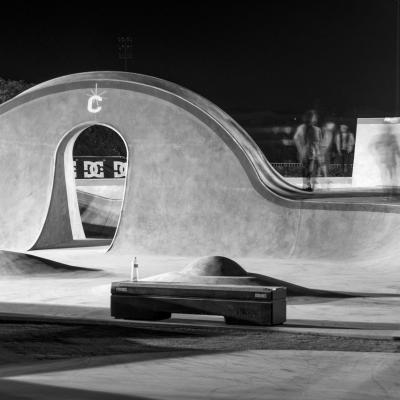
x=280 y=55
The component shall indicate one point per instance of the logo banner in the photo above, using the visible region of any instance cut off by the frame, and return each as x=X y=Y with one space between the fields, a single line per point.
x=88 y=167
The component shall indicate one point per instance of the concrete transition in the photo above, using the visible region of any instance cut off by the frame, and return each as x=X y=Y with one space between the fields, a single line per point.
x=196 y=183
x=99 y=214
x=218 y=270
x=13 y=263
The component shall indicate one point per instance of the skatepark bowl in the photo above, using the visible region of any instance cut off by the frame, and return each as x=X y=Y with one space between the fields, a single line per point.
x=195 y=185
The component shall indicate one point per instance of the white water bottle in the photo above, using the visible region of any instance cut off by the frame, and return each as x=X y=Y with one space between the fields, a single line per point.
x=134 y=270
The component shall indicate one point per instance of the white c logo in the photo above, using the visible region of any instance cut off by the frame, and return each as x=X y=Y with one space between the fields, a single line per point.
x=92 y=100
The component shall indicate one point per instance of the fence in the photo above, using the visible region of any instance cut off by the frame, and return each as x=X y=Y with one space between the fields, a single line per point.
x=294 y=170
x=109 y=167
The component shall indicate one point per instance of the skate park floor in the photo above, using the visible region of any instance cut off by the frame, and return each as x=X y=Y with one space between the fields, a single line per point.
x=68 y=346
x=85 y=293
x=139 y=364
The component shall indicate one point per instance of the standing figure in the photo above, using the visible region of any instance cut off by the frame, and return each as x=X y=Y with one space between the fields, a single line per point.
x=327 y=135
x=307 y=140
x=387 y=154
x=345 y=148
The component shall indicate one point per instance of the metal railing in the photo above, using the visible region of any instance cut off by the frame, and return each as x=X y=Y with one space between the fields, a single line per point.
x=293 y=170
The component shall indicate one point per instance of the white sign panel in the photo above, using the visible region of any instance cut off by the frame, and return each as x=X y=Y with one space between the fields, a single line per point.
x=377 y=154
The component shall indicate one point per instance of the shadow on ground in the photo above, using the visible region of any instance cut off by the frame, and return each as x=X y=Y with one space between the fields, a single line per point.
x=65 y=344
x=14 y=390
x=71 y=314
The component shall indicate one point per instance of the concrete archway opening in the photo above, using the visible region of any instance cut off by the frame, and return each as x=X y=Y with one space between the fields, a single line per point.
x=99 y=157
x=88 y=189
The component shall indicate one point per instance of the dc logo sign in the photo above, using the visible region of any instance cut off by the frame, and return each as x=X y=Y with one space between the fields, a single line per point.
x=119 y=169
x=94 y=101
x=93 y=169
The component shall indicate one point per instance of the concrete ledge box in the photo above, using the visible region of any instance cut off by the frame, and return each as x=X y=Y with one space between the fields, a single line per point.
x=257 y=305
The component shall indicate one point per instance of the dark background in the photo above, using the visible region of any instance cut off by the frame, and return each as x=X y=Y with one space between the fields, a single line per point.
x=281 y=56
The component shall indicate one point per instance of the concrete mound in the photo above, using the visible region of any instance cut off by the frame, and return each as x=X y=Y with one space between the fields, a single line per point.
x=214 y=266
x=12 y=263
x=219 y=270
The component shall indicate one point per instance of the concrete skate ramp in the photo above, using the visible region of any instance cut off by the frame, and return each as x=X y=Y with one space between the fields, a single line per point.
x=12 y=263
x=217 y=270
x=99 y=214
x=196 y=183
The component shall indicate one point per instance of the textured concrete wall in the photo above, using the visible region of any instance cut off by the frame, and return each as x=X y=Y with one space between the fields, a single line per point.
x=196 y=183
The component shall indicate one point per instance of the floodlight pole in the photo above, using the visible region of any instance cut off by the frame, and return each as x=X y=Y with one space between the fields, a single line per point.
x=125 y=50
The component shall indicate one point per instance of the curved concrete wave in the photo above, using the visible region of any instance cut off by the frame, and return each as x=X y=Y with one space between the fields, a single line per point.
x=196 y=183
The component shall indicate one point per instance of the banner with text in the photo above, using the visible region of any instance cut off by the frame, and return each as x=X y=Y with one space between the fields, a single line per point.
x=90 y=167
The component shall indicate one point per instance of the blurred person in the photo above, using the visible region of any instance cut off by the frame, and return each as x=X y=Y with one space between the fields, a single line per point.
x=387 y=154
x=307 y=139
x=327 y=135
x=345 y=148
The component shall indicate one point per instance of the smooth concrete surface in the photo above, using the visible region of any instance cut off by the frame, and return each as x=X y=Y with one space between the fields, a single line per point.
x=196 y=183
x=109 y=188
x=179 y=152
x=196 y=186
x=101 y=214
x=56 y=296
x=32 y=286
x=257 y=374
x=356 y=275
x=83 y=293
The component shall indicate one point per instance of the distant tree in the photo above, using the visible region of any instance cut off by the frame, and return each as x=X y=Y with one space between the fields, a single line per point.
x=10 y=88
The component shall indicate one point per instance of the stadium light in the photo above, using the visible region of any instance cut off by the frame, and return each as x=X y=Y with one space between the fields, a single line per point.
x=125 y=44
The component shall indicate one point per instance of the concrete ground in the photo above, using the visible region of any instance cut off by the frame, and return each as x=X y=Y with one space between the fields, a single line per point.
x=261 y=374
x=91 y=289
x=215 y=190
x=234 y=371
x=48 y=361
